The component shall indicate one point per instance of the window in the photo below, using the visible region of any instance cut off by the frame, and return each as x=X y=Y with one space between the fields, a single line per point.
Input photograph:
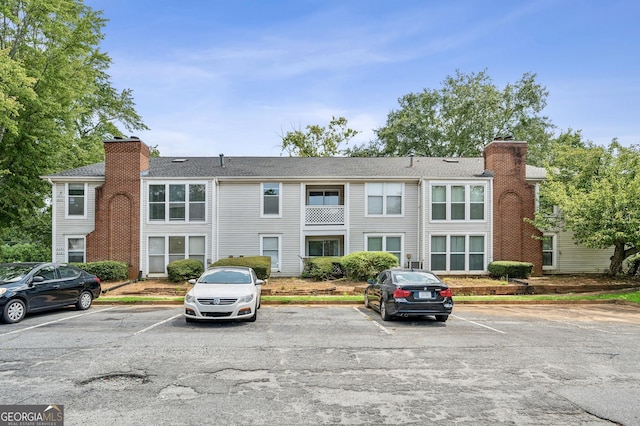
x=460 y=253
x=271 y=199
x=76 y=199
x=548 y=252
x=457 y=202
x=75 y=249
x=384 y=199
x=166 y=249
x=186 y=202
x=323 y=198
x=389 y=243
x=324 y=248
x=270 y=246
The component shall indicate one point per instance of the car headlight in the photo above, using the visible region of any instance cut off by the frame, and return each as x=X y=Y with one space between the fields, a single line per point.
x=2 y=291
x=247 y=298
x=189 y=298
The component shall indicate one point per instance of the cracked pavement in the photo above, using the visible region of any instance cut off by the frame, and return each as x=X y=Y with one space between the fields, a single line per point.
x=329 y=365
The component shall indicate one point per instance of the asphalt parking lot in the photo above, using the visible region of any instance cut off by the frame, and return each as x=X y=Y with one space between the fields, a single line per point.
x=329 y=365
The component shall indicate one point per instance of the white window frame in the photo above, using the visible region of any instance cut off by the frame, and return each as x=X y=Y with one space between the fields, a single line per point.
x=467 y=203
x=84 y=247
x=67 y=215
x=323 y=240
x=278 y=267
x=554 y=252
x=167 y=202
x=384 y=237
x=262 y=195
x=467 y=252
x=166 y=254
x=385 y=196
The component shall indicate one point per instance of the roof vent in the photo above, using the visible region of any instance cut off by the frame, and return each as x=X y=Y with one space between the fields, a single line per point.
x=221 y=160
x=178 y=160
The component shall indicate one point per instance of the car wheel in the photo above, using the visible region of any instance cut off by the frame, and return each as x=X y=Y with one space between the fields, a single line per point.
x=84 y=302
x=14 y=311
x=253 y=317
x=366 y=300
x=383 y=311
x=442 y=318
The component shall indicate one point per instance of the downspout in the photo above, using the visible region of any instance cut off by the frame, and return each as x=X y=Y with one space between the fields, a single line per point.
x=53 y=220
x=215 y=224
x=420 y=221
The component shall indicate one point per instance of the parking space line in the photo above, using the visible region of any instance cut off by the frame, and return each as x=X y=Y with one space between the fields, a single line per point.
x=481 y=325
x=157 y=324
x=58 y=320
x=381 y=327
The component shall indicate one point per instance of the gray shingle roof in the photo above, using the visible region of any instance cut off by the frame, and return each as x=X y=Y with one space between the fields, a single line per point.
x=315 y=167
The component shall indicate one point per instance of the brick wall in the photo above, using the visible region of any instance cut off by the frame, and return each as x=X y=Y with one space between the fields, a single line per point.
x=117 y=224
x=513 y=200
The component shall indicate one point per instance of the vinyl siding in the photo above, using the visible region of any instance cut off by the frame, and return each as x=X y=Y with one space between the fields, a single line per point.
x=577 y=259
x=65 y=227
x=159 y=229
x=240 y=225
x=361 y=225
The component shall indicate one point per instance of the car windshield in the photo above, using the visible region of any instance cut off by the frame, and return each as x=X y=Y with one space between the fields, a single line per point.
x=13 y=273
x=226 y=277
x=414 y=277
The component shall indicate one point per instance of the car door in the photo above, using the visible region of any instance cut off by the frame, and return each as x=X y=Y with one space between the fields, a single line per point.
x=374 y=293
x=44 y=289
x=71 y=284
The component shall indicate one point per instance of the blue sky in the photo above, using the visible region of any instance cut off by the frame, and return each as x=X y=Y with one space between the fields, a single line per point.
x=212 y=77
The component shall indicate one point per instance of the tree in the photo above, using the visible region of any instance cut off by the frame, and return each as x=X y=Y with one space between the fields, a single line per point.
x=597 y=192
x=57 y=103
x=318 y=141
x=461 y=117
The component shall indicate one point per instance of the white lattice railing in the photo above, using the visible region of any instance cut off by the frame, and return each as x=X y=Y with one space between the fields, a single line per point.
x=324 y=215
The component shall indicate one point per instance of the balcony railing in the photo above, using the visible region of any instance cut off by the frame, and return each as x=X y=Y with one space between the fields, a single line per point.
x=324 y=215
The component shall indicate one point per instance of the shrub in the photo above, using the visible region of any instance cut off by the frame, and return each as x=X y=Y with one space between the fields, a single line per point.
x=364 y=265
x=184 y=269
x=260 y=264
x=632 y=266
x=24 y=252
x=321 y=268
x=510 y=269
x=107 y=270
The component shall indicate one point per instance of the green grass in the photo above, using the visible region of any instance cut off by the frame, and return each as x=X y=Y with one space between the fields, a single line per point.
x=630 y=297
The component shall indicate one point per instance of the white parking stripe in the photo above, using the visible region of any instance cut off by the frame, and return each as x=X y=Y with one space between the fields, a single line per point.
x=157 y=324
x=481 y=325
x=381 y=327
x=58 y=320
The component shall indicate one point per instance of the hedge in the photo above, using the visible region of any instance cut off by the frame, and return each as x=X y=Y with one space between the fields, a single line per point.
x=510 y=269
x=321 y=268
x=107 y=270
x=184 y=270
x=24 y=252
x=260 y=264
x=364 y=265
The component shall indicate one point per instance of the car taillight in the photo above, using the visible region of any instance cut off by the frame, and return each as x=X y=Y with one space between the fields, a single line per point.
x=401 y=293
x=446 y=292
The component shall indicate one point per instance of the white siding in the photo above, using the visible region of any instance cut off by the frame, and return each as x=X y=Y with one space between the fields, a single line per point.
x=577 y=259
x=240 y=224
x=64 y=227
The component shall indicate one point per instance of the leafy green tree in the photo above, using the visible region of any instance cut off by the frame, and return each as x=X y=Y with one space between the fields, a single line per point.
x=57 y=103
x=318 y=141
x=461 y=117
x=597 y=192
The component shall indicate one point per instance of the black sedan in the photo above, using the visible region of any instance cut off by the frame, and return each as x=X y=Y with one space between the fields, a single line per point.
x=409 y=293
x=33 y=287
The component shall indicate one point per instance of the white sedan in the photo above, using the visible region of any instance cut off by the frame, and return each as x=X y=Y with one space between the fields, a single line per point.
x=224 y=293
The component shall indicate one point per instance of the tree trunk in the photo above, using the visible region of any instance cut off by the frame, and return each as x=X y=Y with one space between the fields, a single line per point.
x=619 y=255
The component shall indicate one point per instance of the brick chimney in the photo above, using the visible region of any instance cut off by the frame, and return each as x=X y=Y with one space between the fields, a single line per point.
x=513 y=200
x=117 y=219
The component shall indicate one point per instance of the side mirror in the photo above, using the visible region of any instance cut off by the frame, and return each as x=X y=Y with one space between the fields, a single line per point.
x=371 y=281
x=38 y=279
x=192 y=281
x=259 y=282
